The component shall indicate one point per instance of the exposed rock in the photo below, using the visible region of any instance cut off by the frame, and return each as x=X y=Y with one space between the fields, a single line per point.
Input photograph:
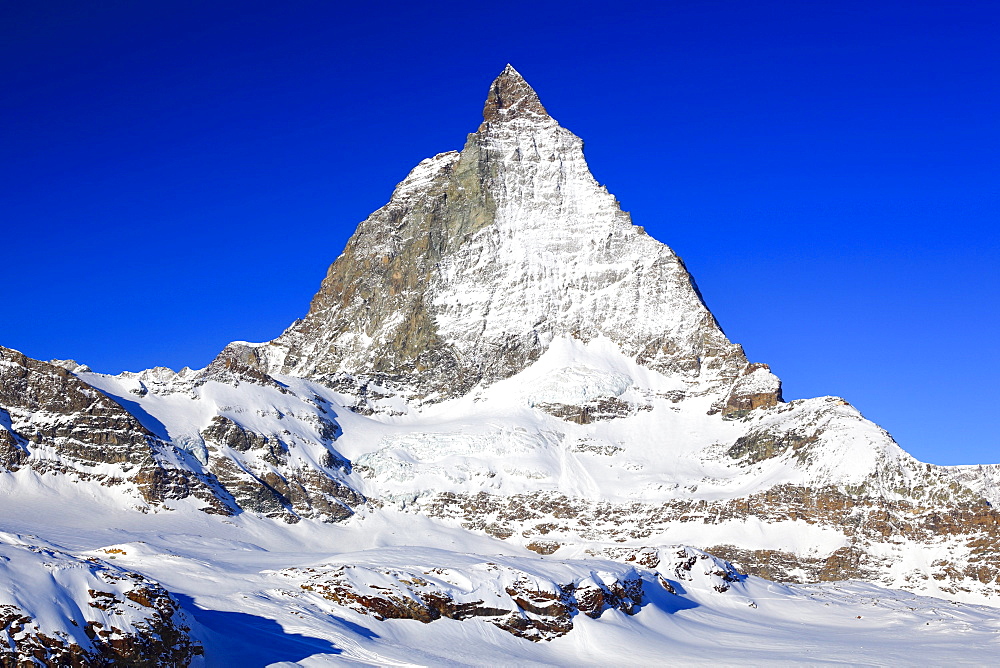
x=607 y=408
x=263 y=482
x=683 y=564
x=759 y=445
x=867 y=515
x=52 y=421
x=404 y=305
x=13 y=448
x=596 y=447
x=984 y=479
x=251 y=492
x=240 y=362
x=757 y=387
x=117 y=617
x=513 y=600
x=543 y=546
x=510 y=96
x=158 y=484
x=225 y=431
x=82 y=423
x=70 y=365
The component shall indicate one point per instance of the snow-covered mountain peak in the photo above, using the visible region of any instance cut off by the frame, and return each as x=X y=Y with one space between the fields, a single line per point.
x=484 y=257
x=511 y=97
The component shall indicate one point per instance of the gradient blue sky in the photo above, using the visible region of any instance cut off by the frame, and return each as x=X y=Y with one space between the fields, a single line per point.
x=176 y=175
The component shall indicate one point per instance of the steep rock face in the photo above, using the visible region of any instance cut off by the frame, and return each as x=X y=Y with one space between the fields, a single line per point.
x=264 y=483
x=88 y=427
x=268 y=447
x=483 y=257
x=51 y=421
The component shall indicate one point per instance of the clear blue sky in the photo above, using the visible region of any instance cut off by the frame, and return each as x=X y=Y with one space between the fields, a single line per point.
x=176 y=175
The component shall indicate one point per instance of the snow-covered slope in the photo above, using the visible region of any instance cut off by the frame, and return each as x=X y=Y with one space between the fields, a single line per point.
x=587 y=449
x=503 y=418
x=392 y=589
x=64 y=610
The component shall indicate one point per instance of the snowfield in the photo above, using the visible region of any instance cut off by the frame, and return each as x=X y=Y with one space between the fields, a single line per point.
x=239 y=582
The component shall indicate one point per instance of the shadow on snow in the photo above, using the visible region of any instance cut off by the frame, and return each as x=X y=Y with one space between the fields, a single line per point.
x=249 y=641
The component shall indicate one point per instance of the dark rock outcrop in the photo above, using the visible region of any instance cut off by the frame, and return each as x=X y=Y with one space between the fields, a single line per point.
x=510 y=96
x=521 y=606
x=260 y=480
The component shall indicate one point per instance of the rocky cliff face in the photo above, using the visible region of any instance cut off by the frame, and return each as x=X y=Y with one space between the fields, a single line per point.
x=483 y=257
x=53 y=422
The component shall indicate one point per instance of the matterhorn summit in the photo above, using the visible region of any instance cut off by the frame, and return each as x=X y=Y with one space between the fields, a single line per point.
x=507 y=430
x=484 y=257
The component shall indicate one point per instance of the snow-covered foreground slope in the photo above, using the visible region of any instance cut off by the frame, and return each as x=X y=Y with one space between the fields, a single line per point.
x=256 y=592
x=66 y=610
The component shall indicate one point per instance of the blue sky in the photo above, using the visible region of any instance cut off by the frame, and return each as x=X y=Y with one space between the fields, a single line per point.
x=176 y=175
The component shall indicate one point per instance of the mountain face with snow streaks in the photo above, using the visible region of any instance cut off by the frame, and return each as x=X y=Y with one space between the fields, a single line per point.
x=506 y=406
x=483 y=257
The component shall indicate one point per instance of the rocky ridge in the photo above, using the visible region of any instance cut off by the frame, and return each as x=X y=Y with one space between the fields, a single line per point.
x=53 y=422
x=512 y=597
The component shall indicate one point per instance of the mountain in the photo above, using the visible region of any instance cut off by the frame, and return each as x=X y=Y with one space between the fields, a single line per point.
x=509 y=413
x=483 y=258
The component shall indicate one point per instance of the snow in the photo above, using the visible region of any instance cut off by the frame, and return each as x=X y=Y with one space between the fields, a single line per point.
x=563 y=267
x=984 y=479
x=759 y=381
x=560 y=257
x=239 y=579
x=494 y=440
x=232 y=578
x=577 y=385
x=424 y=173
x=62 y=593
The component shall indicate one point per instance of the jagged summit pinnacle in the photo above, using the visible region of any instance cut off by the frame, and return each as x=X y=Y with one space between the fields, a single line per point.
x=510 y=97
